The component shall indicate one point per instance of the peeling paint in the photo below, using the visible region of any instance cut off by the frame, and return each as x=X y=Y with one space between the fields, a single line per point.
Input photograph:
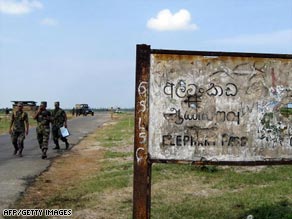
x=226 y=108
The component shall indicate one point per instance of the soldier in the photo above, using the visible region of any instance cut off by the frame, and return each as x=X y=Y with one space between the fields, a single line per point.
x=59 y=119
x=43 y=118
x=6 y=111
x=112 y=113
x=18 y=129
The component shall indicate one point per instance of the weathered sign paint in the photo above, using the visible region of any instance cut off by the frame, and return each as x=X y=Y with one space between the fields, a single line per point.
x=219 y=107
x=209 y=108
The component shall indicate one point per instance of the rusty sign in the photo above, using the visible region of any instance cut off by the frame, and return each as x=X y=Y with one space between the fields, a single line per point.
x=209 y=108
x=220 y=106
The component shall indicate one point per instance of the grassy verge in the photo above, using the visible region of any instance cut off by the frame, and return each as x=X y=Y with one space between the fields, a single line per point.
x=228 y=193
x=116 y=169
x=4 y=123
x=178 y=191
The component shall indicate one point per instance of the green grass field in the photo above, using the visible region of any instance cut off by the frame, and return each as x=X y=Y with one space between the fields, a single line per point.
x=178 y=191
x=286 y=111
x=4 y=123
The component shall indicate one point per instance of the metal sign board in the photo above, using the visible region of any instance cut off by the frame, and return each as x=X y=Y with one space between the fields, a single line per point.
x=209 y=108
x=220 y=106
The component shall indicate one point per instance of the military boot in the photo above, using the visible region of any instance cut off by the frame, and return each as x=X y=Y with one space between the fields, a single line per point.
x=20 y=153
x=67 y=145
x=15 y=150
x=44 y=154
x=57 y=147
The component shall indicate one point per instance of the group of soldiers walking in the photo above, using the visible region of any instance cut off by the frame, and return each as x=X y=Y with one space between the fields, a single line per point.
x=19 y=127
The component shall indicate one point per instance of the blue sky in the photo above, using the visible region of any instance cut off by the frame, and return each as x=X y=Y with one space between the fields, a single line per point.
x=77 y=51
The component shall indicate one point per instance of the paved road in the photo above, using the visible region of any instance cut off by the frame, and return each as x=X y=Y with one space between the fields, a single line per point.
x=16 y=173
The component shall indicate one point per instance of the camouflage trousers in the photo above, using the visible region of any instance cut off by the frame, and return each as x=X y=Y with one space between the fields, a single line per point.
x=56 y=135
x=43 y=136
x=17 y=139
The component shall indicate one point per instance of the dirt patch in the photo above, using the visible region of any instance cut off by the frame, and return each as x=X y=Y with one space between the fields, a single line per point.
x=107 y=207
x=65 y=172
x=70 y=170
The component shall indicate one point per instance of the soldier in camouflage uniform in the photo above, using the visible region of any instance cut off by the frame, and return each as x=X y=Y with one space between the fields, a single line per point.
x=43 y=118
x=18 y=129
x=59 y=119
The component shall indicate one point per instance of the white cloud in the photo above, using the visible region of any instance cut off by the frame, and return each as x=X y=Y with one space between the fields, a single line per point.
x=166 y=21
x=283 y=37
x=49 y=22
x=19 y=7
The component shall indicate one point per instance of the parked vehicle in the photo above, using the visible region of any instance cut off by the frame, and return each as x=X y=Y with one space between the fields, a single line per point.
x=83 y=109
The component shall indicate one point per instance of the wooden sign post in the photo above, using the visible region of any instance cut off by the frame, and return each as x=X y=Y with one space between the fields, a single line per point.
x=209 y=108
